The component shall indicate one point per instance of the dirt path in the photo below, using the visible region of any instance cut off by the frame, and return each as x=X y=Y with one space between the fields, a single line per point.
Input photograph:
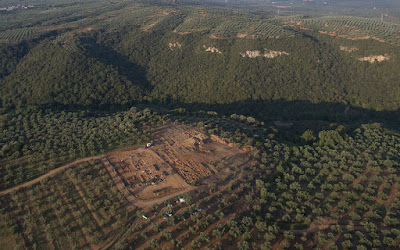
x=120 y=185
x=393 y=193
x=89 y=207
x=347 y=109
x=47 y=233
x=143 y=204
x=73 y=213
x=50 y=173
x=57 y=215
x=63 y=167
x=117 y=180
x=209 y=230
x=121 y=235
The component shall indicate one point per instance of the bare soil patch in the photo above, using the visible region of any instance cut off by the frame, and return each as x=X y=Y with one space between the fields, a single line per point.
x=179 y=159
x=212 y=36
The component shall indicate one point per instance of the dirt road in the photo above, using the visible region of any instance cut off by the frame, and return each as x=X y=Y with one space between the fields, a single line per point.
x=137 y=202
x=144 y=204
x=50 y=173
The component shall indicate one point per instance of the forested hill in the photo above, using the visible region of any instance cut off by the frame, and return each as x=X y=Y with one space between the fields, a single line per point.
x=272 y=125
x=176 y=54
x=50 y=74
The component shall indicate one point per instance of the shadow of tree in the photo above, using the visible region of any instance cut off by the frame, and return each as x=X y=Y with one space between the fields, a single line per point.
x=108 y=56
x=300 y=110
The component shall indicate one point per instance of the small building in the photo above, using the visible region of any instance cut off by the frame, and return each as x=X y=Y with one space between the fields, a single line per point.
x=182 y=200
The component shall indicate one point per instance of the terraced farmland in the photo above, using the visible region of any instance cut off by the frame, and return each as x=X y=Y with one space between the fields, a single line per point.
x=17 y=35
x=142 y=17
x=197 y=21
x=349 y=26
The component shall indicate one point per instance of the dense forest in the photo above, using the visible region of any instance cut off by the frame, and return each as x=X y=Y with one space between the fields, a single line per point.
x=166 y=57
x=106 y=69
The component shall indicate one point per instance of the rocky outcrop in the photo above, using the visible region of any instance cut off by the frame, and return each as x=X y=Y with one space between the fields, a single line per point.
x=267 y=53
x=372 y=59
x=212 y=49
x=174 y=45
x=273 y=54
x=348 y=49
x=251 y=53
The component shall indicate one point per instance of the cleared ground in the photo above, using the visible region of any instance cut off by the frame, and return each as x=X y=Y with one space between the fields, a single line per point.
x=91 y=202
x=180 y=158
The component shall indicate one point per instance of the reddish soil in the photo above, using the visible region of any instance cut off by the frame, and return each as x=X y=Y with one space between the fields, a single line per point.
x=358 y=179
x=40 y=226
x=160 y=14
x=393 y=194
x=212 y=36
x=117 y=179
x=148 y=27
x=73 y=211
x=49 y=174
x=184 y=32
x=59 y=219
x=89 y=207
x=380 y=188
x=180 y=157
